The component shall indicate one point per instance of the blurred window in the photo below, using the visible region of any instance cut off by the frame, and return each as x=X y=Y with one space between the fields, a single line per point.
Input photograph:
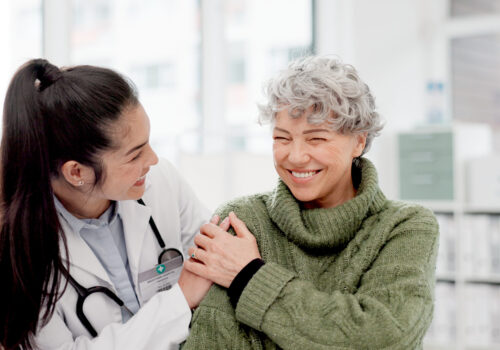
x=475 y=63
x=461 y=8
x=158 y=44
x=155 y=43
x=20 y=36
x=261 y=37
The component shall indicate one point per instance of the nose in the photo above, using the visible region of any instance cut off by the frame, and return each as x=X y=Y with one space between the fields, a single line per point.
x=153 y=157
x=299 y=154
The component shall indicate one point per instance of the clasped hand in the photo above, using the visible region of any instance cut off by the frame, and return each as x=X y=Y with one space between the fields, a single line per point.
x=220 y=256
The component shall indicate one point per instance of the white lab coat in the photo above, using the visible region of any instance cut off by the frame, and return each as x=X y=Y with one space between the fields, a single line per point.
x=163 y=321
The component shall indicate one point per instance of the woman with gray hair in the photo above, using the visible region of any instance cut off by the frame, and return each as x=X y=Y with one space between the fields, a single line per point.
x=332 y=263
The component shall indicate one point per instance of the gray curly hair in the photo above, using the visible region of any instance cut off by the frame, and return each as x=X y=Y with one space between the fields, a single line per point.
x=334 y=91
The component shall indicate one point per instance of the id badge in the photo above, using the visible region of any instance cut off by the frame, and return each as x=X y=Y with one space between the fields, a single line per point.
x=161 y=277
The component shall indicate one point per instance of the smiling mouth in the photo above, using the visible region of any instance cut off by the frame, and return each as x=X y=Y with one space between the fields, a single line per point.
x=303 y=174
x=140 y=180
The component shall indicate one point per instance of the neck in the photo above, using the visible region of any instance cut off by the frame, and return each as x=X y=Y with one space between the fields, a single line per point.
x=83 y=205
x=333 y=201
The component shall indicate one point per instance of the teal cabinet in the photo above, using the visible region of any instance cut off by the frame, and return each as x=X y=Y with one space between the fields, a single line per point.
x=426 y=166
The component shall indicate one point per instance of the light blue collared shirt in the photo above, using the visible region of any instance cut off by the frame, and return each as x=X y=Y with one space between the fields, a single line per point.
x=105 y=237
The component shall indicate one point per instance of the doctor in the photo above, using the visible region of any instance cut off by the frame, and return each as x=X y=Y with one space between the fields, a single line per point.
x=94 y=228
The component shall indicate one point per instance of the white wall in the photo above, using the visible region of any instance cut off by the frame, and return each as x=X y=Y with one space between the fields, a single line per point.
x=218 y=178
x=5 y=71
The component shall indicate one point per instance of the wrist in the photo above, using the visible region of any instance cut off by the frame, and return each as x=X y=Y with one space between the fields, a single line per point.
x=241 y=280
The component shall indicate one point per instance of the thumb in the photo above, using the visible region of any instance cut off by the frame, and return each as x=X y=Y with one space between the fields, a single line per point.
x=239 y=226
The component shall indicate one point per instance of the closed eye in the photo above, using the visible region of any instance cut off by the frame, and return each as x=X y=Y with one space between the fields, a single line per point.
x=318 y=139
x=137 y=156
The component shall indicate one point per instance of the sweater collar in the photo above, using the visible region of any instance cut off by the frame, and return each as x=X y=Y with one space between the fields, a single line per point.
x=326 y=228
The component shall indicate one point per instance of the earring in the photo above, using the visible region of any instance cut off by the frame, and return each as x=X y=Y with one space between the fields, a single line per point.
x=80 y=183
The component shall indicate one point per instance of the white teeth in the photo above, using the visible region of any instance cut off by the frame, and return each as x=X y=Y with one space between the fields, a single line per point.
x=141 y=178
x=308 y=174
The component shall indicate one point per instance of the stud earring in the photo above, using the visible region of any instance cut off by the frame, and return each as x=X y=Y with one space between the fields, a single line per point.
x=80 y=183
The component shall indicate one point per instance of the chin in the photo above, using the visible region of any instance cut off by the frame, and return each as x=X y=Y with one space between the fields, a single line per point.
x=303 y=197
x=135 y=194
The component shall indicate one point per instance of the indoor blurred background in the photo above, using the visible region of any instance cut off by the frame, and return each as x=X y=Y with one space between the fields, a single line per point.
x=199 y=65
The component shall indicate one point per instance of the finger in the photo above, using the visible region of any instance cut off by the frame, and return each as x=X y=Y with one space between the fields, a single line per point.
x=207 y=230
x=215 y=219
x=225 y=224
x=202 y=241
x=195 y=267
x=197 y=253
x=211 y=230
x=191 y=252
x=239 y=226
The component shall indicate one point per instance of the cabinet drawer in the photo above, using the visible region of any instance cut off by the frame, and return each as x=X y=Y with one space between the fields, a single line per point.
x=438 y=142
x=426 y=166
x=427 y=161
x=424 y=185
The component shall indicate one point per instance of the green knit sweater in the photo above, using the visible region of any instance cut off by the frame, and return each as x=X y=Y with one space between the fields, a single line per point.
x=357 y=276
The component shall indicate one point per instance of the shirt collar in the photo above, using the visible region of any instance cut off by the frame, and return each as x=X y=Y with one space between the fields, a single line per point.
x=76 y=224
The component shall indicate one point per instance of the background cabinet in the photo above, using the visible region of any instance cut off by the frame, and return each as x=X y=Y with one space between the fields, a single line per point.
x=435 y=170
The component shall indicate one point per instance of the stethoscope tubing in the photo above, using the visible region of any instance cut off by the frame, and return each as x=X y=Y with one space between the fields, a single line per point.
x=83 y=292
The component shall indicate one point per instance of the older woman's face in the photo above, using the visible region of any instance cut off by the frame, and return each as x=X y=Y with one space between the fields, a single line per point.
x=315 y=161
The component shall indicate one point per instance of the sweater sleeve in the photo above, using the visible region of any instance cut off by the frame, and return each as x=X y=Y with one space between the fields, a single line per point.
x=214 y=325
x=391 y=308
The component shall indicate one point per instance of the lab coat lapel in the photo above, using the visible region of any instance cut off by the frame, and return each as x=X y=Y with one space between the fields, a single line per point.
x=81 y=256
x=135 y=218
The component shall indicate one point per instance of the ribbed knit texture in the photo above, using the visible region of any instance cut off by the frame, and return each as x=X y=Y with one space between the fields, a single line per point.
x=241 y=280
x=357 y=276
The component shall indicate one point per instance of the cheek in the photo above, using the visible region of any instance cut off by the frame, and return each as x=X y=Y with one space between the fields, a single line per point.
x=279 y=153
x=134 y=174
x=326 y=154
x=127 y=175
x=339 y=152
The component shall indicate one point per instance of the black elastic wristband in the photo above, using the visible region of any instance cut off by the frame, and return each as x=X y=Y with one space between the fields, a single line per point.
x=241 y=280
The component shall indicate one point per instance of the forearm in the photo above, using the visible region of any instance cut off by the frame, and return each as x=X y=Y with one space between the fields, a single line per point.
x=294 y=314
x=215 y=327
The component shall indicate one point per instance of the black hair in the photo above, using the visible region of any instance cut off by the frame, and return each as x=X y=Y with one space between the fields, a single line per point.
x=50 y=116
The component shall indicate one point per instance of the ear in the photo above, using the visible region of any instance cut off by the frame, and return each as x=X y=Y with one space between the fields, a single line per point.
x=360 y=140
x=76 y=174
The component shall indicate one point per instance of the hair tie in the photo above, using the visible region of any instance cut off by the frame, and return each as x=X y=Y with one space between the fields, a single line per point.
x=46 y=74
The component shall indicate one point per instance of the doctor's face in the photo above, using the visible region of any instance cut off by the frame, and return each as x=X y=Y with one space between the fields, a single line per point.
x=126 y=166
x=315 y=161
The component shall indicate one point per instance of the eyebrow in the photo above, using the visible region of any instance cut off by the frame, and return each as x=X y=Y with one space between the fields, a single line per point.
x=305 y=132
x=136 y=148
x=282 y=130
x=315 y=130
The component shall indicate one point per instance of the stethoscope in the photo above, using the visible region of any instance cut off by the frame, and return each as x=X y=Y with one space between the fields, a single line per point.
x=165 y=256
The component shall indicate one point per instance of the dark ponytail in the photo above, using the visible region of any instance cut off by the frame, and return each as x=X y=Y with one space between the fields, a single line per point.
x=50 y=116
